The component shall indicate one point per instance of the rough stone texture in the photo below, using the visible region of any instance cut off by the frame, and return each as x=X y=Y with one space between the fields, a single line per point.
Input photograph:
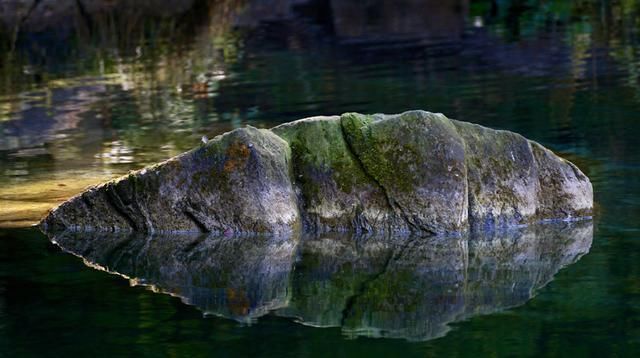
x=413 y=172
x=237 y=182
x=502 y=176
x=370 y=285
x=418 y=159
x=564 y=192
x=336 y=191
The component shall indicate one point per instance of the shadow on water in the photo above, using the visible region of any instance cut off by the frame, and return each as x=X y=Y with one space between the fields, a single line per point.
x=374 y=286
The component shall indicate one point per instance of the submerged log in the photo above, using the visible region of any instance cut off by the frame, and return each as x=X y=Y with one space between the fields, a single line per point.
x=413 y=172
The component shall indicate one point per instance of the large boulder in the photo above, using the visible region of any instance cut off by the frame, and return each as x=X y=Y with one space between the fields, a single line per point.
x=413 y=172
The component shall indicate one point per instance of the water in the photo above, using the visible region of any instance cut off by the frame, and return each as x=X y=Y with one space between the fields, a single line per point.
x=90 y=93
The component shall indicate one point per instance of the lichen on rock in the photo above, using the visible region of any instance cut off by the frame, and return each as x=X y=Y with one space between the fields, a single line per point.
x=412 y=172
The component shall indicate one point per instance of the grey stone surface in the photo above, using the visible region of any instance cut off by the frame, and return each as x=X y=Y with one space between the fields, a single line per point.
x=418 y=158
x=237 y=182
x=413 y=172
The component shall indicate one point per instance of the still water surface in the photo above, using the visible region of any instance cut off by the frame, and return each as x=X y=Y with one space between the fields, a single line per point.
x=92 y=89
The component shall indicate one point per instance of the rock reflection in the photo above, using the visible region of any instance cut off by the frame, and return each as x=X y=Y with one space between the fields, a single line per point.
x=378 y=286
x=241 y=278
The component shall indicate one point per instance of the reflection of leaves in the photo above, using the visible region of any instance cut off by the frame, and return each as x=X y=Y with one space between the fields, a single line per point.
x=127 y=32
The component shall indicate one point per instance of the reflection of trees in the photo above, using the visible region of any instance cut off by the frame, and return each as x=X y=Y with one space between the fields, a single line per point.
x=174 y=61
x=131 y=59
x=382 y=19
x=98 y=34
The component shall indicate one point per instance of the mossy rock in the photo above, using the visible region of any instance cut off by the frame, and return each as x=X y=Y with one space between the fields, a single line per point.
x=564 y=192
x=336 y=192
x=412 y=172
x=418 y=158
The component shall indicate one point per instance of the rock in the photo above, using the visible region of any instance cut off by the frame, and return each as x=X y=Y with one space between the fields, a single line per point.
x=502 y=176
x=413 y=172
x=418 y=159
x=564 y=190
x=336 y=191
x=513 y=181
x=237 y=182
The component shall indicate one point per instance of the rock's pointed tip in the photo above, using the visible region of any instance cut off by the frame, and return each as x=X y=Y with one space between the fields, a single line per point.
x=48 y=224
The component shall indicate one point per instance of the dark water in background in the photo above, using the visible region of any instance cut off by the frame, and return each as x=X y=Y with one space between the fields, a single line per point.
x=92 y=89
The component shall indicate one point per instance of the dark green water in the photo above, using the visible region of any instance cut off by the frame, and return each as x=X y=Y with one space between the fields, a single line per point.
x=92 y=89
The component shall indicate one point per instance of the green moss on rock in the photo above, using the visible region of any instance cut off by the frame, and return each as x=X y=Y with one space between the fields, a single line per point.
x=417 y=157
x=415 y=171
x=336 y=192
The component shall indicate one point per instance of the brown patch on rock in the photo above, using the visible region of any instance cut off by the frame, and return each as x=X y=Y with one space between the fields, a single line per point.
x=237 y=154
